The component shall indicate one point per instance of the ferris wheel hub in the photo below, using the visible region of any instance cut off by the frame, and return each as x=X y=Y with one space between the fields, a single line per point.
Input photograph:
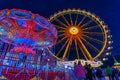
x=74 y=30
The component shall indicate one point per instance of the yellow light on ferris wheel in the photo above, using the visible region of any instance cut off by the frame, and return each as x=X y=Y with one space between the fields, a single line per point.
x=73 y=30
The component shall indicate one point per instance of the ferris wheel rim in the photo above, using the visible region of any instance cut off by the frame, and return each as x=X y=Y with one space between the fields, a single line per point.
x=97 y=19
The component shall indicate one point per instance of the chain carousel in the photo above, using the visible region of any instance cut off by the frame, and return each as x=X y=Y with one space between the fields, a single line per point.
x=22 y=33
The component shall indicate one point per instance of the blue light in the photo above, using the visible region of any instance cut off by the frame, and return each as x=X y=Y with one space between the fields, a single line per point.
x=20 y=55
x=29 y=57
x=0 y=71
x=46 y=43
x=7 y=63
x=33 y=65
x=2 y=30
x=20 y=14
x=20 y=22
x=3 y=13
x=24 y=40
x=42 y=21
x=48 y=34
x=38 y=28
x=21 y=64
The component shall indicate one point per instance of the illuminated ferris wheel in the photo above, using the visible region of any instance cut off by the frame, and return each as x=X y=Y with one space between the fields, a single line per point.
x=81 y=35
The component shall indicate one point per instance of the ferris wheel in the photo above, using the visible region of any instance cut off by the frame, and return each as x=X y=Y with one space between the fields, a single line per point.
x=81 y=35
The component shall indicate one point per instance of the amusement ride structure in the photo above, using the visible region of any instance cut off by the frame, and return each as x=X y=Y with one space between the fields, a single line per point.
x=28 y=42
x=81 y=35
x=21 y=34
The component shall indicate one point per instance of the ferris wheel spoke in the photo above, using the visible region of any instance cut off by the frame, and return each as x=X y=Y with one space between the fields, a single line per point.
x=69 y=50
x=89 y=44
x=58 y=21
x=61 y=40
x=87 y=23
x=67 y=47
x=76 y=49
x=76 y=19
x=71 y=19
x=91 y=27
x=61 y=35
x=61 y=31
x=85 y=49
x=52 y=53
x=58 y=27
x=94 y=33
x=83 y=52
x=65 y=20
x=93 y=39
x=62 y=48
x=81 y=21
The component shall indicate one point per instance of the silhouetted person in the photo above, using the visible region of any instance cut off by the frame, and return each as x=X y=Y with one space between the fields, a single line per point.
x=89 y=72
x=109 y=72
x=80 y=72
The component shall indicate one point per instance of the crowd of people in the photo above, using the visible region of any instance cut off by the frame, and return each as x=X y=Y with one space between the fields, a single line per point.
x=90 y=73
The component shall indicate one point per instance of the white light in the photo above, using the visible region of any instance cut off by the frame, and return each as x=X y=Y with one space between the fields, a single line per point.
x=107 y=31
x=109 y=42
x=48 y=59
x=43 y=54
x=109 y=36
x=107 y=53
x=104 y=59
x=110 y=48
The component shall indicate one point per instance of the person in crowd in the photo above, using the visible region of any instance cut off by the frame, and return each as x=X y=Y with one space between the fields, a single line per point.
x=80 y=72
x=89 y=71
x=115 y=73
x=109 y=72
x=93 y=74
x=103 y=75
x=99 y=73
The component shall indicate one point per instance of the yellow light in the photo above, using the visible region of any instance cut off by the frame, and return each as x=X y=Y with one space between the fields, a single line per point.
x=73 y=30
